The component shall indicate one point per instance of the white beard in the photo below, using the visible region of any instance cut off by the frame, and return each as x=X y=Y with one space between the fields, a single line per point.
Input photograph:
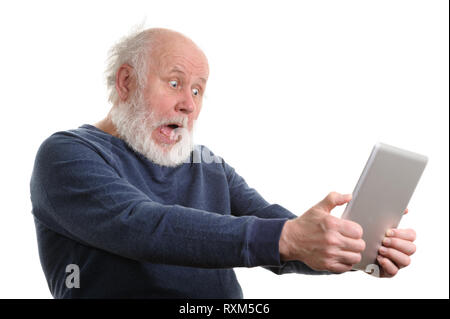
x=135 y=122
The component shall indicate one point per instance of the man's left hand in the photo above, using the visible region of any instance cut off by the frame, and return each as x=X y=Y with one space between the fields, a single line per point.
x=394 y=254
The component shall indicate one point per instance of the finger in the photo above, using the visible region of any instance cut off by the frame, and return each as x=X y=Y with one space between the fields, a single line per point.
x=340 y=268
x=405 y=246
x=406 y=211
x=406 y=234
x=388 y=268
x=350 y=229
x=397 y=257
x=334 y=199
x=353 y=245
x=349 y=258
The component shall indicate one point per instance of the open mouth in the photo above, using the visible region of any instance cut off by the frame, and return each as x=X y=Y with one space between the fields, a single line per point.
x=169 y=133
x=173 y=126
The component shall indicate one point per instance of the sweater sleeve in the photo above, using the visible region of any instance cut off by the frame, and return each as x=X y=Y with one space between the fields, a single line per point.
x=246 y=201
x=76 y=193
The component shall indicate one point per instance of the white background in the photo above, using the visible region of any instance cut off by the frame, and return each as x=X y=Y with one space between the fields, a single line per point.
x=299 y=92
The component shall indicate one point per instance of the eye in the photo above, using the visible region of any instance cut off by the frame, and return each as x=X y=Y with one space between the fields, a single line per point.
x=173 y=84
x=195 y=92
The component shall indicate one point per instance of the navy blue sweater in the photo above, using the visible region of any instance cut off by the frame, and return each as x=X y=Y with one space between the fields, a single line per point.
x=140 y=230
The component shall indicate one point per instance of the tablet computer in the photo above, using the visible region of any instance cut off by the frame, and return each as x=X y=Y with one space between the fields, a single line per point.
x=382 y=194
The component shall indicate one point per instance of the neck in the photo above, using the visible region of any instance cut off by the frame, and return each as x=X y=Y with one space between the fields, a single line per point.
x=106 y=125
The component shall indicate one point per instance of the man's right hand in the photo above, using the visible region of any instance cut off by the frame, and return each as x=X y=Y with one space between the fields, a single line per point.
x=322 y=241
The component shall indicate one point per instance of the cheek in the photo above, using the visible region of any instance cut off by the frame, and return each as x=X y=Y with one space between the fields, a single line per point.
x=198 y=109
x=193 y=120
x=161 y=103
x=166 y=102
x=157 y=96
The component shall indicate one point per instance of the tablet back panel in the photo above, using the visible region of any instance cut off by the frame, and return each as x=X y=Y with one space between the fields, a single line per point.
x=382 y=195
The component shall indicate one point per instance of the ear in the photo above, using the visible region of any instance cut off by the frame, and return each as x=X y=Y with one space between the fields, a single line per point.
x=124 y=81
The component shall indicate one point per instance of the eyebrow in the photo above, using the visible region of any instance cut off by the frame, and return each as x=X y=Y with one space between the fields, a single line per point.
x=176 y=69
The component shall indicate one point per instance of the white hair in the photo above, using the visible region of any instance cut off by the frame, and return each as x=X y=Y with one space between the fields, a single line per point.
x=134 y=50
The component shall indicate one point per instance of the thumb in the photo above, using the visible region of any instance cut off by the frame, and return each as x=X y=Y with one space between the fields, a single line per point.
x=334 y=199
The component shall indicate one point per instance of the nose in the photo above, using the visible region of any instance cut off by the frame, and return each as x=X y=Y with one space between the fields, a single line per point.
x=186 y=104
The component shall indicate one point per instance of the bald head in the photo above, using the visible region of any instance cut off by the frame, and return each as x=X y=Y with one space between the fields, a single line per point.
x=161 y=36
x=165 y=41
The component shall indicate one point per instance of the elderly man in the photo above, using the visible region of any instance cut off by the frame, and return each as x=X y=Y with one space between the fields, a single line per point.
x=129 y=208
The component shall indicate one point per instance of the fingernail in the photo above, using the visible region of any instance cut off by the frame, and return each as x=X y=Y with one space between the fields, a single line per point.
x=383 y=250
x=386 y=241
x=389 y=232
